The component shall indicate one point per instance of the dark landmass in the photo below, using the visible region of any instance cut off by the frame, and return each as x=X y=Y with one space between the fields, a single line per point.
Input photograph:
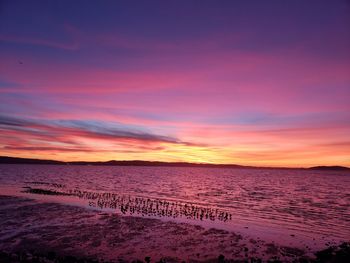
x=330 y=168
x=17 y=160
x=155 y=163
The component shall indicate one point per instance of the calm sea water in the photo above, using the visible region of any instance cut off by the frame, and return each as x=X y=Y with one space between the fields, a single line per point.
x=311 y=203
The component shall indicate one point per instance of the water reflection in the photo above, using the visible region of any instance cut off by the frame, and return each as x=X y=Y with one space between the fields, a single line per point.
x=303 y=201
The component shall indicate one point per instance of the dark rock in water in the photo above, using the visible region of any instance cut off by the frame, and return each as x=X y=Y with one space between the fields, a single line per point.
x=42 y=191
x=51 y=255
x=325 y=255
x=70 y=259
x=304 y=260
x=148 y=259
x=334 y=254
x=221 y=259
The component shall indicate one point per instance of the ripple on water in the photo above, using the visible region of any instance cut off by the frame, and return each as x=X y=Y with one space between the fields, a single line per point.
x=300 y=200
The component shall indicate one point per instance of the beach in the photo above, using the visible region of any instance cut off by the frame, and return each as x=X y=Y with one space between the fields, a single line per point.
x=30 y=226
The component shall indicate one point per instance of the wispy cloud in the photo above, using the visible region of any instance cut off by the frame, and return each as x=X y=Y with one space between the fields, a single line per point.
x=89 y=129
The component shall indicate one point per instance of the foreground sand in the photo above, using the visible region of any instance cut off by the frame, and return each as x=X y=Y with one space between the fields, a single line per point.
x=28 y=225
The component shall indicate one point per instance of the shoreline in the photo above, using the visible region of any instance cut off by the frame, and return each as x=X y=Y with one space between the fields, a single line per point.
x=74 y=231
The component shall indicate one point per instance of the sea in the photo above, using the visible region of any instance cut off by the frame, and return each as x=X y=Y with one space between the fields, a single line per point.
x=288 y=205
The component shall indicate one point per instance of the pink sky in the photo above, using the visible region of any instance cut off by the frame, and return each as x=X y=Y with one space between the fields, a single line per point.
x=224 y=82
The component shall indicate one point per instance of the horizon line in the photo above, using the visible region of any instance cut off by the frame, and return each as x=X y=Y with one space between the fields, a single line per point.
x=177 y=162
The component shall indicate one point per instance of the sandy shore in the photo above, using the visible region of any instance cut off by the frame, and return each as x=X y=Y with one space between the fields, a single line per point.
x=28 y=225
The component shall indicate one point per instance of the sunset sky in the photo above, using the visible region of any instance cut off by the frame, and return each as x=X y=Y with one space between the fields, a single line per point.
x=246 y=82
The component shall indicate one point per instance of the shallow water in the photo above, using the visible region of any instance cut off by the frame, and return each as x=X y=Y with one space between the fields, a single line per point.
x=311 y=204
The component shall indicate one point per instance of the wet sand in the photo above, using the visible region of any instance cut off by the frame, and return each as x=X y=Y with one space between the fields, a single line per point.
x=28 y=225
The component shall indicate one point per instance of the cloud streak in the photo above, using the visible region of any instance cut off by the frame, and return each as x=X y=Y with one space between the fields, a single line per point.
x=81 y=129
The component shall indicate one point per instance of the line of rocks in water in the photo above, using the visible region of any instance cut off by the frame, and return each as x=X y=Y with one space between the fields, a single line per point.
x=43 y=191
x=333 y=254
x=140 y=205
x=45 y=183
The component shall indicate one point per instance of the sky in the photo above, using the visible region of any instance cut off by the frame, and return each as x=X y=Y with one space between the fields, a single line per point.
x=246 y=82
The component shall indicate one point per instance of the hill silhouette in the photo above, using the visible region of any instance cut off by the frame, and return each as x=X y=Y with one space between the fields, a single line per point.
x=17 y=160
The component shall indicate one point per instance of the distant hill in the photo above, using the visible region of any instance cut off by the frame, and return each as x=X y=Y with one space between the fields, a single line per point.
x=330 y=168
x=16 y=160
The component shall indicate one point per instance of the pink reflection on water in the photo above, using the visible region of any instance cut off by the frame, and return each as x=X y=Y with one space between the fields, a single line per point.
x=292 y=207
